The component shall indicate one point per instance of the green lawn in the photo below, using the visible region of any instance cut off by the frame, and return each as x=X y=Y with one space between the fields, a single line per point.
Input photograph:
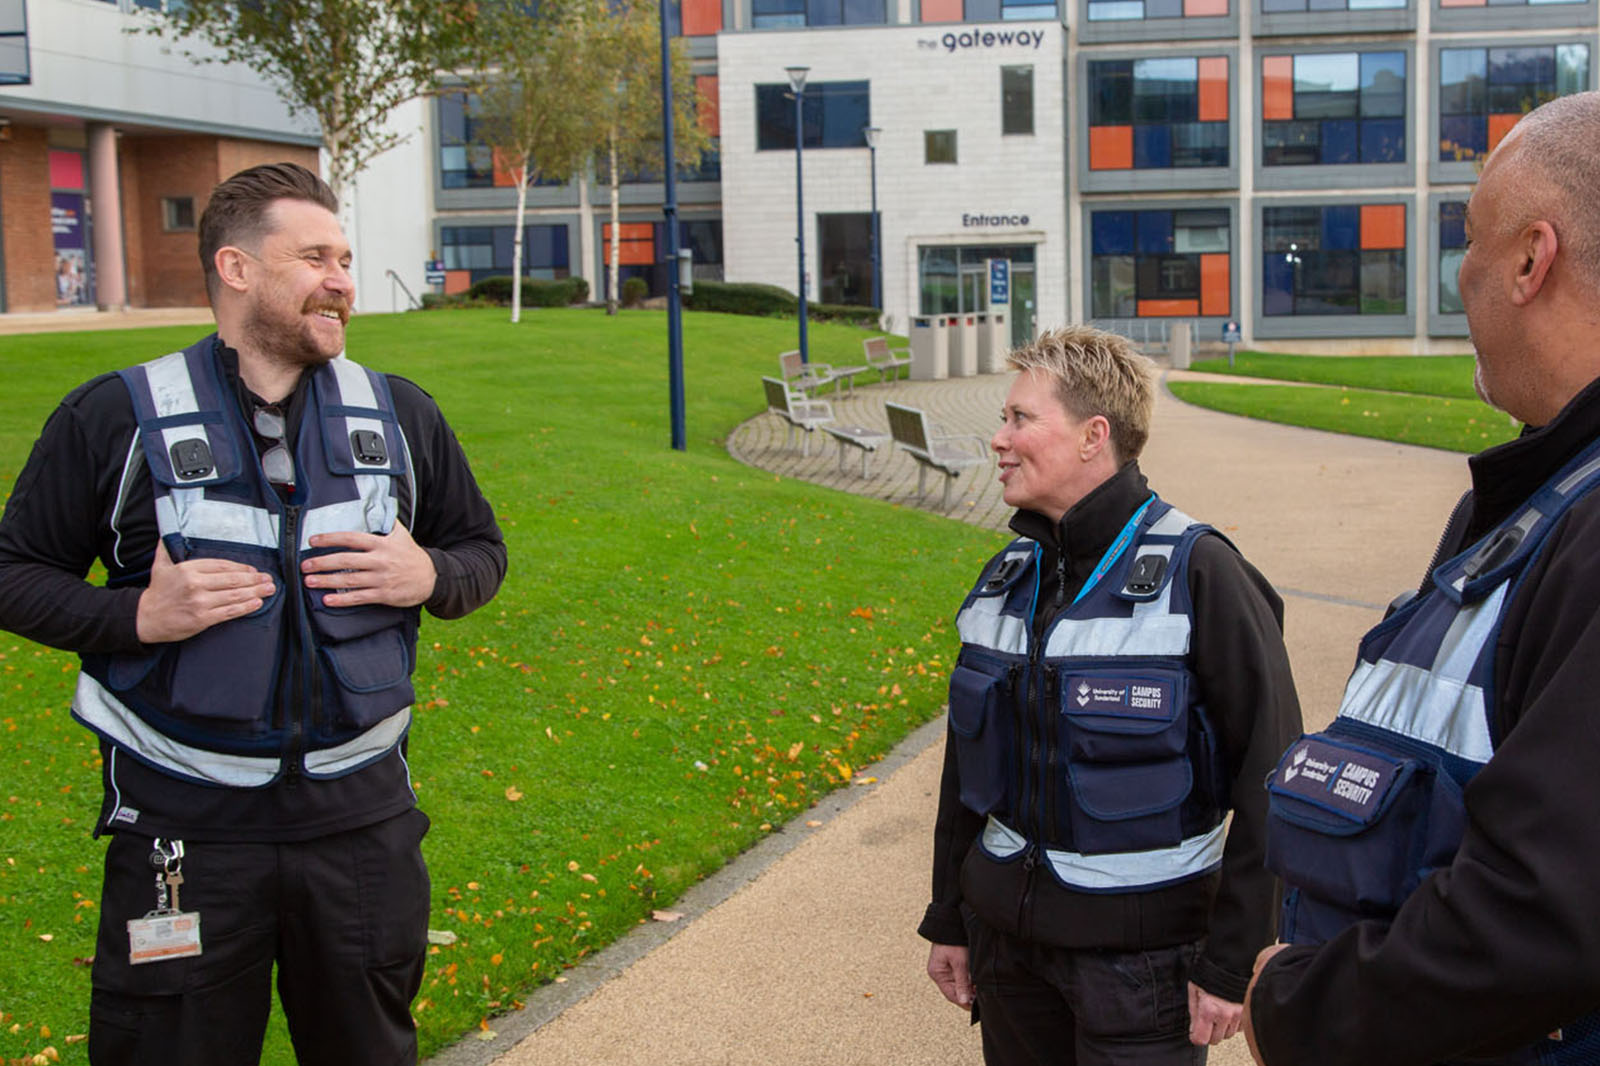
x=1431 y=375
x=1433 y=421
x=687 y=653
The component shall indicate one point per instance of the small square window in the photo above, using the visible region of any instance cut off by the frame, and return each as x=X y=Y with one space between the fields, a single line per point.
x=939 y=146
x=177 y=213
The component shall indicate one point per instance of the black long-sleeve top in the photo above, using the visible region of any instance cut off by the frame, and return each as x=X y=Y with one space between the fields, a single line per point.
x=70 y=508
x=1503 y=946
x=1238 y=658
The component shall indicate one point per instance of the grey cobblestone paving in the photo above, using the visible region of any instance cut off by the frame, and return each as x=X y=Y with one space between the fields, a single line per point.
x=964 y=405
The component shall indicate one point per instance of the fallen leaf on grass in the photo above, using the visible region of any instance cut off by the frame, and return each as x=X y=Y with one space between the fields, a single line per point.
x=441 y=936
x=513 y=793
x=47 y=937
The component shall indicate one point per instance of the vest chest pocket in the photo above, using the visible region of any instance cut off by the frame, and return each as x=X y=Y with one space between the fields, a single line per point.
x=981 y=732
x=1353 y=829
x=1124 y=732
x=373 y=676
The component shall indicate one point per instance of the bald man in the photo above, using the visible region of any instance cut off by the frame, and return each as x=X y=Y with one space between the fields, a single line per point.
x=1440 y=842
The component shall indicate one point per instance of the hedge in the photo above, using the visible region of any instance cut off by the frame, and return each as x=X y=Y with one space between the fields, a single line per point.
x=743 y=298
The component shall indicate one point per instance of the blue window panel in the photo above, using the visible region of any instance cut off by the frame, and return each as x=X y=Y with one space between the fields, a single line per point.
x=545 y=247
x=502 y=246
x=1110 y=10
x=1522 y=65
x=1111 y=93
x=1339 y=137
x=1026 y=12
x=1383 y=84
x=1453 y=224
x=1470 y=132
x=1155 y=231
x=823 y=13
x=1383 y=140
x=1341 y=228
x=1113 y=232
x=1462 y=76
x=1277 y=285
x=1152 y=147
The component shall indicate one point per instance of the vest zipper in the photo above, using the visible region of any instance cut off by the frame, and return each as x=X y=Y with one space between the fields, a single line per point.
x=1030 y=861
x=299 y=645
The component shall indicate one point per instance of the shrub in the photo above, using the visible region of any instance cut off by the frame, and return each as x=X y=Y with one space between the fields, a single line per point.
x=535 y=292
x=635 y=291
x=849 y=313
x=436 y=301
x=740 y=298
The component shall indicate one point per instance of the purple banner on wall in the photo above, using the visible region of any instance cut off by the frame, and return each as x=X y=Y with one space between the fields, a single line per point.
x=72 y=259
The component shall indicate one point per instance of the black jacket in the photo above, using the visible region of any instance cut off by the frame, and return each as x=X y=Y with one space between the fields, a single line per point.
x=1239 y=660
x=69 y=510
x=1502 y=947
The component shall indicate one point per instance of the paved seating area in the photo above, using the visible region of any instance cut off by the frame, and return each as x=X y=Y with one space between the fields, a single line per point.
x=972 y=408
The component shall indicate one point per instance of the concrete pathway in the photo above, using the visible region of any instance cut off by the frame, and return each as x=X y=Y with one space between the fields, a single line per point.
x=804 y=950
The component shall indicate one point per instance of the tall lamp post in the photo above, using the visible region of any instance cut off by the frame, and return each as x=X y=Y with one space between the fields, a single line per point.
x=797 y=82
x=872 y=133
x=675 y=397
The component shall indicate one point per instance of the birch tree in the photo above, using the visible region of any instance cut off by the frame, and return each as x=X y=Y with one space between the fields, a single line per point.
x=630 y=121
x=346 y=63
x=538 y=95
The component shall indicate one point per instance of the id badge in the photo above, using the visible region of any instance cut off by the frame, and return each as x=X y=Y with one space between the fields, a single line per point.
x=159 y=937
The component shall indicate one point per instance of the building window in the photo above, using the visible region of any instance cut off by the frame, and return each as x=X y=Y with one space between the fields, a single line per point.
x=1327 y=108
x=485 y=251
x=177 y=213
x=1016 y=99
x=1151 y=264
x=1023 y=10
x=1484 y=91
x=701 y=18
x=466 y=161
x=1122 y=10
x=1151 y=114
x=784 y=14
x=1452 y=247
x=939 y=146
x=637 y=256
x=1346 y=260
x=1273 y=6
x=13 y=43
x=834 y=114
x=844 y=258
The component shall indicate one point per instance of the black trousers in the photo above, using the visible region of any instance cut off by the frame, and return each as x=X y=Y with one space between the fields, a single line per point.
x=344 y=917
x=1040 y=1005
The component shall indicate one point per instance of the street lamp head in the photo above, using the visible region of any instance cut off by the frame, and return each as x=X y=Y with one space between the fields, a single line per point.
x=872 y=133
x=797 y=77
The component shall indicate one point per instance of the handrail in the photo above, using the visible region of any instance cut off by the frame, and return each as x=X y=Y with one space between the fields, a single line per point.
x=416 y=304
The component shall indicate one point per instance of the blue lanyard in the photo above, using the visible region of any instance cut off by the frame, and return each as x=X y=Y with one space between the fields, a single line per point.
x=1113 y=553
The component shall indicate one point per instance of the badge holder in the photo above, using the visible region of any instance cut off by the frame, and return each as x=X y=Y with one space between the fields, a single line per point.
x=166 y=932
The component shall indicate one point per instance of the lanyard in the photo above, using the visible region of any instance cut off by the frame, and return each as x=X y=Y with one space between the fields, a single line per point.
x=1113 y=553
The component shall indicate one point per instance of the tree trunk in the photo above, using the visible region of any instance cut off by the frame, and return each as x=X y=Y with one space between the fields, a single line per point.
x=613 y=258
x=516 y=244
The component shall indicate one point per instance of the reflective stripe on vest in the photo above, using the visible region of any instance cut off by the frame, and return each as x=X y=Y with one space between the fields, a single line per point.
x=1194 y=857
x=108 y=718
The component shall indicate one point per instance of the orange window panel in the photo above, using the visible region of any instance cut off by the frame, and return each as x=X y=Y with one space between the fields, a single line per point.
x=457 y=281
x=1383 y=226
x=1192 y=8
x=1110 y=147
x=1214 y=89
x=1277 y=88
x=942 y=11
x=1215 y=290
x=1499 y=126
x=1168 y=308
x=710 y=112
x=701 y=18
x=1463 y=3
x=504 y=173
x=637 y=247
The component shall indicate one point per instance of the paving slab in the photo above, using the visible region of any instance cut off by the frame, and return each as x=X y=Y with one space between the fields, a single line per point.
x=804 y=950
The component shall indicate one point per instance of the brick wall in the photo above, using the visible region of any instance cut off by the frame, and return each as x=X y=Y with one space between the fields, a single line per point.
x=25 y=221
x=164 y=266
x=234 y=156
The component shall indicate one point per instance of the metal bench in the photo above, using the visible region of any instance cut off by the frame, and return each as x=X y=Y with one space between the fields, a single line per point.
x=885 y=360
x=809 y=377
x=799 y=412
x=867 y=439
x=947 y=453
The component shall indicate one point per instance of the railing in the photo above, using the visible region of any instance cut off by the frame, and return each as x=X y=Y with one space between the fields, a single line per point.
x=394 y=279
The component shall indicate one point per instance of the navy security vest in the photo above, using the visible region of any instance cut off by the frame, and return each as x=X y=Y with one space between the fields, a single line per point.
x=1089 y=748
x=297 y=684
x=1361 y=813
